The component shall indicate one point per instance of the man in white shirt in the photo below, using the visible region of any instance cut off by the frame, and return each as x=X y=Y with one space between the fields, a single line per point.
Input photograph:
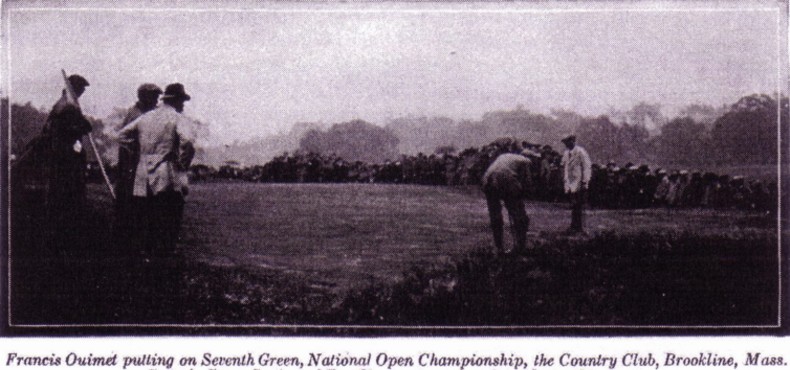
x=577 y=169
x=165 y=137
x=127 y=214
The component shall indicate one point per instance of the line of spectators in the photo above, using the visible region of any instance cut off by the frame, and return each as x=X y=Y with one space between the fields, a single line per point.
x=633 y=186
x=611 y=186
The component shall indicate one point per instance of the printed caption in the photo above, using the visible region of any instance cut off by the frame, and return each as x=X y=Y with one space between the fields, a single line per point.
x=391 y=361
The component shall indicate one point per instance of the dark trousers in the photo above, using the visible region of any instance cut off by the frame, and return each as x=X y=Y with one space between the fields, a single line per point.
x=577 y=209
x=130 y=228
x=65 y=203
x=160 y=219
x=518 y=215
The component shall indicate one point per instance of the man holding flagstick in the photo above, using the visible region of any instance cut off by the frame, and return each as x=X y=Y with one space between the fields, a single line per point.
x=66 y=166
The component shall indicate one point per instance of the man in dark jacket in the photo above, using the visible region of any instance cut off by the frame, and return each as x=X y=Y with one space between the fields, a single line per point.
x=66 y=167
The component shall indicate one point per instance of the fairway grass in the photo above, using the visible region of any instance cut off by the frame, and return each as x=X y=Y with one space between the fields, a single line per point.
x=336 y=235
x=341 y=235
x=397 y=255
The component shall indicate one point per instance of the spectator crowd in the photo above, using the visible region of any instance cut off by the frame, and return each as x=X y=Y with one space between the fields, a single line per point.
x=628 y=186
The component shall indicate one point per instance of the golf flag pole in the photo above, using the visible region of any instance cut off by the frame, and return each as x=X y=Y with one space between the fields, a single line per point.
x=72 y=99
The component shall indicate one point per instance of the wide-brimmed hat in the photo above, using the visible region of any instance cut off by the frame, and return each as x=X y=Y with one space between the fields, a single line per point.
x=569 y=138
x=152 y=88
x=176 y=91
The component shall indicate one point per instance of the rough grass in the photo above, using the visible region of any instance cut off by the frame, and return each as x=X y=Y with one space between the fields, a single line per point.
x=357 y=254
x=609 y=280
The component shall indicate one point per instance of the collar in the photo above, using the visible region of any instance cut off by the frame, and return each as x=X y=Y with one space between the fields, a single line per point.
x=139 y=106
x=164 y=106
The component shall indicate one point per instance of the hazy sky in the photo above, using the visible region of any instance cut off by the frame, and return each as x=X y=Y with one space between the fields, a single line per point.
x=253 y=72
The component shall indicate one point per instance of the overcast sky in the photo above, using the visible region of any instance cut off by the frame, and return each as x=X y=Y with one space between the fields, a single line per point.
x=253 y=72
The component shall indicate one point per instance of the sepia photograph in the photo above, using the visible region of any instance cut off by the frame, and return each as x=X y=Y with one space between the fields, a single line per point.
x=394 y=168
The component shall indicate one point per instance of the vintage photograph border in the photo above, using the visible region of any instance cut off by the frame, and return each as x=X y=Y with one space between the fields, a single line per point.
x=10 y=328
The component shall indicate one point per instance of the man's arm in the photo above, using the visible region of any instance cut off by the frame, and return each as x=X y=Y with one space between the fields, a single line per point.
x=527 y=185
x=66 y=120
x=564 y=168
x=186 y=152
x=586 y=167
x=128 y=134
x=186 y=147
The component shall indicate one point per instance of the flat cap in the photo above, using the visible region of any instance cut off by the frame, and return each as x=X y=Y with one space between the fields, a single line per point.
x=147 y=87
x=77 y=80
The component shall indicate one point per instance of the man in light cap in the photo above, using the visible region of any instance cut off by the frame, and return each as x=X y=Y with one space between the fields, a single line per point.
x=508 y=180
x=66 y=167
x=166 y=150
x=577 y=170
x=128 y=157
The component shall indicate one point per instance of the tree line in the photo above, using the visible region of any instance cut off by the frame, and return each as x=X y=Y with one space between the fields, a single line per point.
x=700 y=136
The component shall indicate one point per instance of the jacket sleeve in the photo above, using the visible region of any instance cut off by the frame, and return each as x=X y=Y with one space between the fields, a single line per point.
x=128 y=134
x=527 y=184
x=586 y=167
x=77 y=125
x=564 y=168
x=186 y=153
x=186 y=146
x=67 y=121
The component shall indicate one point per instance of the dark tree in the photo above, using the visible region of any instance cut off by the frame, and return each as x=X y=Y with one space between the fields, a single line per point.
x=421 y=134
x=520 y=123
x=682 y=142
x=633 y=142
x=747 y=133
x=606 y=141
x=599 y=137
x=355 y=141
x=27 y=123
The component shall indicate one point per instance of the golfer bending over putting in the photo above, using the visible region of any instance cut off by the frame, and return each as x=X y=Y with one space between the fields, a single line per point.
x=507 y=180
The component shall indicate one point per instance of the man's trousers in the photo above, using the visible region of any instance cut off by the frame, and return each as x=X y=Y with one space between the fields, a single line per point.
x=577 y=209
x=518 y=215
x=160 y=221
